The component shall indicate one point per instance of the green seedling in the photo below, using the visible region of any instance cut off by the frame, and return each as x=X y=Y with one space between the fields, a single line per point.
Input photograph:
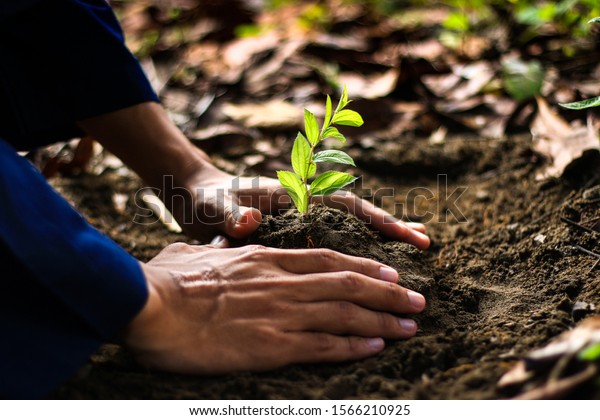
x=588 y=103
x=305 y=159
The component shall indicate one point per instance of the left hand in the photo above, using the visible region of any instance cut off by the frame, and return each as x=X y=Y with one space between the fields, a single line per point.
x=203 y=199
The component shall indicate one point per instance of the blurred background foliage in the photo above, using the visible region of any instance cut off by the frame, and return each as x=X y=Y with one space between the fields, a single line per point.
x=433 y=66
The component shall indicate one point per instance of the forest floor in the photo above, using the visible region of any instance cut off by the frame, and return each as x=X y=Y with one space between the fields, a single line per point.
x=443 y=144
x=500 y=284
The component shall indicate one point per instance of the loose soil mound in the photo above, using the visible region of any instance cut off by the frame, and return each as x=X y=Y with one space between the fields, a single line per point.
x=497 y=286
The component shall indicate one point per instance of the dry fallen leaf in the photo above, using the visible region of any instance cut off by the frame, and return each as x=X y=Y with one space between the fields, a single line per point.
x=74 y=157
x=370 y=86
x=258 y=78
x=476 y=76
x=430 y=50
x=560 y=142
x=272 y=114
x=440 y=84
x=552 y=361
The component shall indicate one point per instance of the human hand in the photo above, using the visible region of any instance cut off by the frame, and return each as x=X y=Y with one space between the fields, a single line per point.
x=203 y=199
x=234 y=205
x=214 y=310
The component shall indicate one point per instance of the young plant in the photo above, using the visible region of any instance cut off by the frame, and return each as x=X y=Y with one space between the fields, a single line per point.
x=587 y=103
x=305 y=160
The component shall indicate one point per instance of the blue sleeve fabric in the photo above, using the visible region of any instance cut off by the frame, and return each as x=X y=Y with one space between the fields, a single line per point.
x=62 y=61
x=65 y=288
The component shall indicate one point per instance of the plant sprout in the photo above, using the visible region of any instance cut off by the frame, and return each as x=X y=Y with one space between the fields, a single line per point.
x=304 y=158
x=587 y=103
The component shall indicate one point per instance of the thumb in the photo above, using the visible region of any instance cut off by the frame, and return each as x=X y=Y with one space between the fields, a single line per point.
x=241 y=221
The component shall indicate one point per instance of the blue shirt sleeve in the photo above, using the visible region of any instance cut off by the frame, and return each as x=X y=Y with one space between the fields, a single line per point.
x=65 y=288
x=62 y=61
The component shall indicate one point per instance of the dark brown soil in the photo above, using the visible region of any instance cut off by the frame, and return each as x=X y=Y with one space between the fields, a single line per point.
x=497 y=286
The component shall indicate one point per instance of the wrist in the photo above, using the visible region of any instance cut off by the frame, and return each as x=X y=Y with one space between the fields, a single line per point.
x=141 y=332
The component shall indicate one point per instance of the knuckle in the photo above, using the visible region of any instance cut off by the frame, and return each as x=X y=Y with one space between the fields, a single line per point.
x=277 y=311
x=364 y=265
x=346 y=312
x=384 y=323
x=179 y=247
x=351 y=345
x=327 y=257
x=393 y=292
x=257 y=252
x=269 y=335
x=324 y=342
x=351 y=281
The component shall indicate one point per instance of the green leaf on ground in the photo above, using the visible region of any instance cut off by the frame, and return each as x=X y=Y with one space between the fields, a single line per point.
x=458 y=22
x=295 y=189
x=329 y=182
x=588 y=103
x=333 y=156
x=522 y=79
x=591 y=353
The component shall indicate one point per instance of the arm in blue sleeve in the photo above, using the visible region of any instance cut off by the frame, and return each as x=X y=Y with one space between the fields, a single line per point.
x=63 y=61
x=65 y=288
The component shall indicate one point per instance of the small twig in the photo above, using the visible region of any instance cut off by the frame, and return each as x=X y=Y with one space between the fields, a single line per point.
x=580 y=226
x=559 y=369
x=560 y=388
x=542 y=217
x=587 y=251
x=593 y=267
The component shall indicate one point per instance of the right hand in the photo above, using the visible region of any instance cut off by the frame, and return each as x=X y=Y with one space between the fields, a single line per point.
x=213 y=310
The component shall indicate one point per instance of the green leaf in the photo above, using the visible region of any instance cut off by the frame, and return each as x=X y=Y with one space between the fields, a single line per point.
x=334 y=132
x=588 y=103
x=333 y=156
x=329 y=182
x=301 y=158
x=458 y=22
x=348 y=117
x=595 y=20
x=522 y=80
x=311 y=127
x=343 y=100
x=295 y=188
x=328 y=112
x=591 y=353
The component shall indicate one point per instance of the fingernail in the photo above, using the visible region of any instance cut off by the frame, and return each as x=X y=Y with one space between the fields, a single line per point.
x=376 y=343
x=416 y=300
x=408 y=325
x=420 y=235
x=217 y=240
x=388 y=274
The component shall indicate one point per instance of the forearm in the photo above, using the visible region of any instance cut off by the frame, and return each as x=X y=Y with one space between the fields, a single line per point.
x=145 y=139
x=63 y=276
